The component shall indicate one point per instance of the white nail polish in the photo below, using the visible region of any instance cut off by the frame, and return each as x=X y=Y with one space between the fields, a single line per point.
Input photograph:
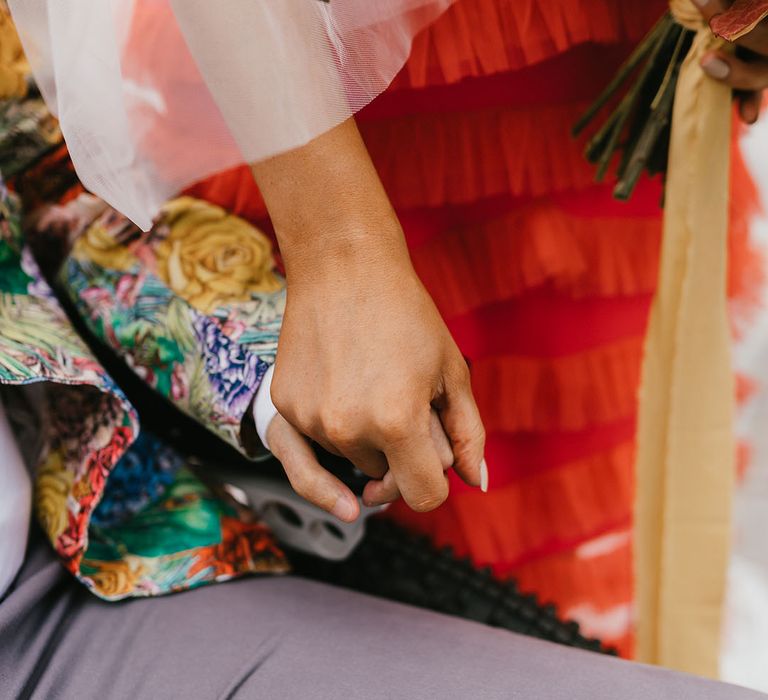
x=483 y=476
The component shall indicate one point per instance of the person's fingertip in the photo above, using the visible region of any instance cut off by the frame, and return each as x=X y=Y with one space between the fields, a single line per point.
x=749 y=111
x=346 y=508
x=373 y=502
x=379 y=496
x=484 y=478
x=715 y=67
x=371 y=494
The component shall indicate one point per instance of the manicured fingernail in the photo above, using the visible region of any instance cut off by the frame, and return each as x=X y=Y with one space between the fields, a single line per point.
x=716 y=67
x=345 y=509
x=483 y=477
x=701 y=4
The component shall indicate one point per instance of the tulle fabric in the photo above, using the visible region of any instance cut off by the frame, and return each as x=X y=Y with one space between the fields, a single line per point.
x=219 y=83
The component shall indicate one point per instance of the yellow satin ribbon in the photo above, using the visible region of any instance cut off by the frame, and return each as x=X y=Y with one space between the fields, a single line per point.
x=686 y=453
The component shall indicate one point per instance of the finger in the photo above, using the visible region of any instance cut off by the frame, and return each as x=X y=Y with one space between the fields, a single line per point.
x=462 y=422
x=381 y=491
x=371 y=462
x=440 y=440
x=732 y=71
x=337 y=436
x=415 y=465
x=749 y=106
x=710 y=8
x=319 y=439
x=756 y=40
x=307 y=477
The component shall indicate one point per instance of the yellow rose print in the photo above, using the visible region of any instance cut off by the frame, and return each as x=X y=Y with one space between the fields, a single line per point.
x=98 y=245
x=211 y=258
x=52 y=487
x=114 y=578
x=13 y=65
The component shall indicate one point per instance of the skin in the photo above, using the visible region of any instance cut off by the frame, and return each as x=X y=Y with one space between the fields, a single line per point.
x=751 y=78
x=366 y=366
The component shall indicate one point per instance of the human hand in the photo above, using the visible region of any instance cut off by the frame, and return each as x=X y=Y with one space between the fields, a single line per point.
x=360 y=366
x=313 y=482
x=748 y=74
x=364 y=356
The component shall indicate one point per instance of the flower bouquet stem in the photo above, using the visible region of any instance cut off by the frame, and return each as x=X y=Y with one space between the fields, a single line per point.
x=637 y=130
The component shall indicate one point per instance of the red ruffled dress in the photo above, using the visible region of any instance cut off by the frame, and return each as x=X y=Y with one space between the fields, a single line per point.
x=544 y=280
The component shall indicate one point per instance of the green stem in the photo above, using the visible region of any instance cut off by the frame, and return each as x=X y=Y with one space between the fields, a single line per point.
x=659 y=119
x=644 y=48
x=627 y=105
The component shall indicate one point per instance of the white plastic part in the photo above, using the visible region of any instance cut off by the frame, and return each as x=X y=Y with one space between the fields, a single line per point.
x=297 y=523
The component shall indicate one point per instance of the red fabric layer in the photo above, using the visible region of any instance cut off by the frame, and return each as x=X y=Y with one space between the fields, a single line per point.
x=483 y=37
x=573 y=392
x=562 y=79
x=572 y=327
x=552 y=512
x=518 y=455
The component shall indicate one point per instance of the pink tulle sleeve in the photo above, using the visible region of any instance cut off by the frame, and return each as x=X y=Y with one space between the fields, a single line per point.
x=154 y=95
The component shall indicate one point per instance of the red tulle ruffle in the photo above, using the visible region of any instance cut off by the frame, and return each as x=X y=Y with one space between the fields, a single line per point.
x=481 y=37
x=536 y=517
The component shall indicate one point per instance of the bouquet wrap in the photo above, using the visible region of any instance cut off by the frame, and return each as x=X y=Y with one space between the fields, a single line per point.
x=686 y=457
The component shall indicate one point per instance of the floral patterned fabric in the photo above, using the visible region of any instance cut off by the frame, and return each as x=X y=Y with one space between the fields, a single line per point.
x=27 y=130
x=125 y=512
x=194 y=306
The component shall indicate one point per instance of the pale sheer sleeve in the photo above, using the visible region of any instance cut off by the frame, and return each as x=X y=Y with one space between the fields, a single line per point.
x=153 y=95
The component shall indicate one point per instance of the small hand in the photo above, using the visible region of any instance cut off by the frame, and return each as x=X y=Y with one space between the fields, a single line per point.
x=749 y=77
x=315 y=484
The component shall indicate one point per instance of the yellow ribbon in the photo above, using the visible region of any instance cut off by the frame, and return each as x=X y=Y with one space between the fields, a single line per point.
x=686 y=447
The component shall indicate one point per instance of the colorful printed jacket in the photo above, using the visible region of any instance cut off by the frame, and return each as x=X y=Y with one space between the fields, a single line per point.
x=190 y=310
x=194 y=308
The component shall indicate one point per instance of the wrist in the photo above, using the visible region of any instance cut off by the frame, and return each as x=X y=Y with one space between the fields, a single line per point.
x=347 y=246
x=329 y=208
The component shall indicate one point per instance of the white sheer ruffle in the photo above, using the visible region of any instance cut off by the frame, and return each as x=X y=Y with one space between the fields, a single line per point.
x=155 y=94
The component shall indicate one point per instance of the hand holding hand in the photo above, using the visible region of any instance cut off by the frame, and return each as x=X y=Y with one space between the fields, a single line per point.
x=314 y=483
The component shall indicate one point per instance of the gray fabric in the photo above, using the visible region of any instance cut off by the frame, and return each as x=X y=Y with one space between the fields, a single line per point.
x=277 y=638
